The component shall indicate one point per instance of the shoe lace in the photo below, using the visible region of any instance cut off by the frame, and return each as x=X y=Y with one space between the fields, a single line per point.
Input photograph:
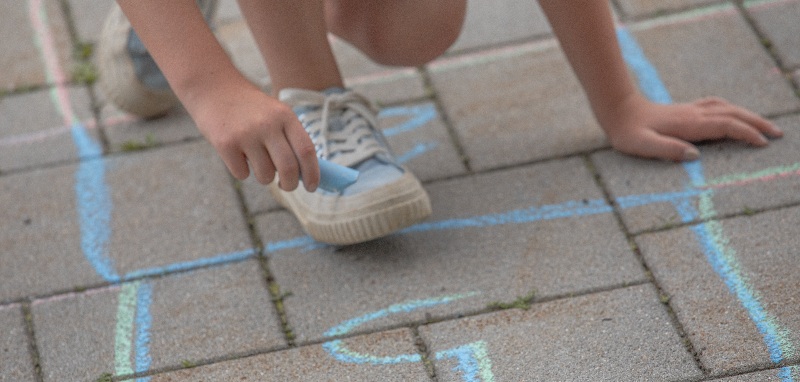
x=352 y=139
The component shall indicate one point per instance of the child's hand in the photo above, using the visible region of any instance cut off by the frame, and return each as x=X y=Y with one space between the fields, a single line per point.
x=253 y=131
x=642 y=128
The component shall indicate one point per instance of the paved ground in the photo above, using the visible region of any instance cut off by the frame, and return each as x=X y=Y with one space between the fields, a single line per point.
x=126 y=250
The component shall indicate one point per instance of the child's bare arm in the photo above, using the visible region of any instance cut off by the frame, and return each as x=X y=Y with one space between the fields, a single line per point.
x=633 y=124
x=249 y=129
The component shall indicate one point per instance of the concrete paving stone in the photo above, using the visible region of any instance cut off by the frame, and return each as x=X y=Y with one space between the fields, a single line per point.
x=418 y=148
x=126 y=132
x=171 y=205
x=484 y=243
x=40 y=238
x=515 y=105
x=88 y=16
x=741 y=179
x=621 y=335
x=778 y=19
x=715 y=52
x=492 y=23
x=757 y=256
x=314 y=363
x=227 y=12
x=211 y=313
x=390 y=87
x=75 y=334
x=29 y=139
x=641 y=8
x=15 y=359
x=765 y=376
x=21 y=61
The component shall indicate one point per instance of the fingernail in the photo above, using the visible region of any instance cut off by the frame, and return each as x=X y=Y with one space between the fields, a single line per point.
x=763 y=140
x=691 y=154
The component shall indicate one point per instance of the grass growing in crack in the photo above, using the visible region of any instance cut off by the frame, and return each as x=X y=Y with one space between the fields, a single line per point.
x=523 y=302
x=132 y=145
x=84 y=70
x=277 y=298
x=187 y=364
x=105 y=377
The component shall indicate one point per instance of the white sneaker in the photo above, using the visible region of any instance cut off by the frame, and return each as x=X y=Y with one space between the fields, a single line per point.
x=128 y=75
x=385 y=198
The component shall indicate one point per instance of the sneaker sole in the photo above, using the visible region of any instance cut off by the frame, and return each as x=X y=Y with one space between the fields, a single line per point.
x=361 y=217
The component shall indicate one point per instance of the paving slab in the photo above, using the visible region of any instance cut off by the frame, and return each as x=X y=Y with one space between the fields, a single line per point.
x=75 y=334
x=515 y=105
x=42 y=138
x=700 y=266
x=315 y=363
x=474 y=251
x=21 y=60
x=417 y=136
x=171 y=205
x=740 y=179
x=127 y=133
x=88 y=17
x=621 y=335
x=40 y=237
x=493 y=23
x=228 y=11
x=642 y=8
x=715 y=52
x=778 y=19
x=16 y=364
x=766 y=376
x=197 y=316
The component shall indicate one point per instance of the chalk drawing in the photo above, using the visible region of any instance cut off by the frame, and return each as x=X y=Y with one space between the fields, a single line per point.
x=710 y=235
x=473 y=363
x=132 y=335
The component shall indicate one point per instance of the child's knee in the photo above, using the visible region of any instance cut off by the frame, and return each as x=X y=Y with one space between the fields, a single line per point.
x=392 y=35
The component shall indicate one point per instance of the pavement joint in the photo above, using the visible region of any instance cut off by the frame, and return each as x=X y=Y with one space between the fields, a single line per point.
x=33 y=349
x=631 y=238
x=451 y=131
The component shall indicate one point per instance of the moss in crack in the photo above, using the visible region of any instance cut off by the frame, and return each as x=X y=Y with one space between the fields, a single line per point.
x=133 y=145
x=523 y=302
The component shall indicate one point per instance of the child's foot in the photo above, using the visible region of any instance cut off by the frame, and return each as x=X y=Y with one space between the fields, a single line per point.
x=128 y=75
x=385 y=198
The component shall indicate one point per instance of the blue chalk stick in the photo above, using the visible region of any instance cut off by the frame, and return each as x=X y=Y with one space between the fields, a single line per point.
x=335 y=177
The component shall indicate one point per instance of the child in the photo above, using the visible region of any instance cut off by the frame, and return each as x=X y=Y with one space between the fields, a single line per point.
x=314 y=117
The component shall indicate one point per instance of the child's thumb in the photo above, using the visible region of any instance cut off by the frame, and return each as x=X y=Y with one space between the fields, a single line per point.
x=670 y=148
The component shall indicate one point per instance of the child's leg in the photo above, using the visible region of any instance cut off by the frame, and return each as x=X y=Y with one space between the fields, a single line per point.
x=292 y=35
x=292 y=38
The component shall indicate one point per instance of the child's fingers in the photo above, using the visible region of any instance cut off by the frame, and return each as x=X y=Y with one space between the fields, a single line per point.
x=285 y=162
x=722 y=126
x=263 y=168
x=306 y=154
x=236 y=163
x=761 y=124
